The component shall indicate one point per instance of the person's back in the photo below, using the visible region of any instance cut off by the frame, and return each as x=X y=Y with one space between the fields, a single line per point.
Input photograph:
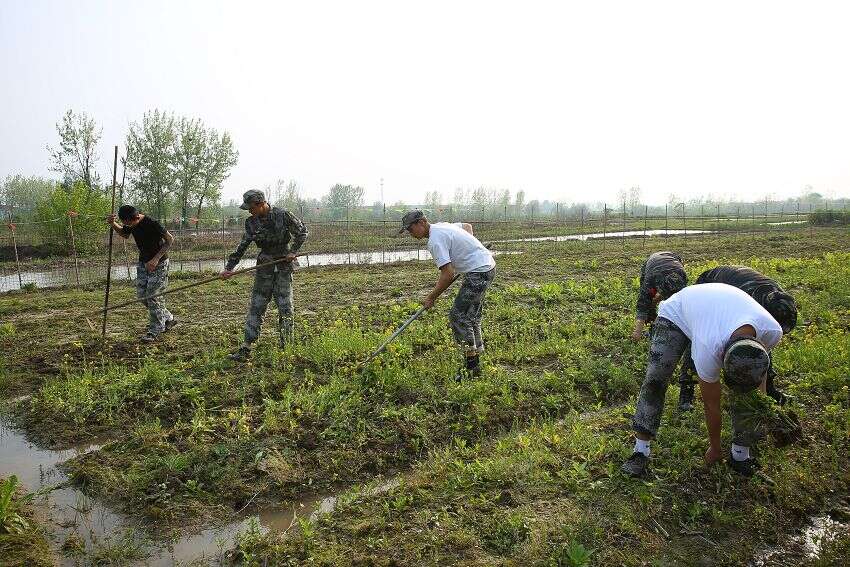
x=449 y=242
x=708 y=314
x=766 y=291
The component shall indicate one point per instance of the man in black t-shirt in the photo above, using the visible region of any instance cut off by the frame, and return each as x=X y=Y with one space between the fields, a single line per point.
x=152 y=270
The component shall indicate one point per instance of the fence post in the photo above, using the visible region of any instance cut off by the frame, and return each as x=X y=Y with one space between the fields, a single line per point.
x=384 y=236
x=604 y=224
x=348 y=230
x=223 y=245
x=702 y=222
x=645 y=222
x=301 y=208
x=754 y=222
x=15 y=246
x=811 y=224
x=624 y=224
x=666 y=220
x=71 y=215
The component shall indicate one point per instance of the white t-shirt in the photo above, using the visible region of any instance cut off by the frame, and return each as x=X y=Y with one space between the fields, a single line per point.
x=448 y=242
x=708 y=314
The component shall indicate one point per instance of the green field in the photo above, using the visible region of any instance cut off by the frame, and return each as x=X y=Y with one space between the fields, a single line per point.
x=518 y=467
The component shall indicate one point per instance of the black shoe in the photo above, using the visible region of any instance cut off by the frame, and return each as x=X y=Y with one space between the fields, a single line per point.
x=170 y=324
x=745 y=468
x=149 y=337
x=240 y=355
x=686 y=397
x=636 y=466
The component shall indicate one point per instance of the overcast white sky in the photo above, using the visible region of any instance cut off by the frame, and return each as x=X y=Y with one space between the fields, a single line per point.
x=568 y=100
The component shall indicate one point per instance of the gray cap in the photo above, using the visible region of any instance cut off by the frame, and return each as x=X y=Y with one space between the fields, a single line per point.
x=409 y=218
x=250 y=197
x=745 y=364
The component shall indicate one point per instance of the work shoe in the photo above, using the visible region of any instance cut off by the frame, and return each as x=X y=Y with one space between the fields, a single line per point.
x=149 y=337
x=242 y=354
x=686 y=397
x=636 y=466
x=745 y=468
x=170 y=324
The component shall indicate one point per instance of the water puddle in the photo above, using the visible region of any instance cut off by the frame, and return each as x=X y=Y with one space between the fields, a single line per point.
x=71 y=516
x=810 y=541
x=620 y=234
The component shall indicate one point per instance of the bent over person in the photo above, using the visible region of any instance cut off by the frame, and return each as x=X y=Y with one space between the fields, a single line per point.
x=456 y=251
x=279 y=234
x=662 y=275
x=730 y=334
x=153 y=242
x=768 y=294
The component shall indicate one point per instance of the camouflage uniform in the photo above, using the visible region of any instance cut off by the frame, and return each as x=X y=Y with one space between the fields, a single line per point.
x=667 y=346
x=465 y=314
x=277 y=234
x=150 y=283
x=653 y=279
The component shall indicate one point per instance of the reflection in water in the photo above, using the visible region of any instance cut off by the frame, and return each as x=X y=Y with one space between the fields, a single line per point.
x=68 y=513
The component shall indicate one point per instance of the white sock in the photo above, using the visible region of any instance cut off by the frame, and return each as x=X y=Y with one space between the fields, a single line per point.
x=740 y=453
x=642 y=446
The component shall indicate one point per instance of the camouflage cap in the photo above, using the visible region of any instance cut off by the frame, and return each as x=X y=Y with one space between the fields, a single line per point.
x=745 y=364
x=251 y=197
x=409 y=218
x=783 y=308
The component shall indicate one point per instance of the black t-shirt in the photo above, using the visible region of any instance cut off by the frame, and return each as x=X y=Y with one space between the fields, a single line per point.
x=149 y=236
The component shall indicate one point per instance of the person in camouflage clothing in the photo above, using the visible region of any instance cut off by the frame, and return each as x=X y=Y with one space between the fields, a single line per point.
x=768 y=294
x=662 y=275
x=730 y=335
x=279 y=234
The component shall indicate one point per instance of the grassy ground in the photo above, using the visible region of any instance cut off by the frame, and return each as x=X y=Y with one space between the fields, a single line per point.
x=519 y=467
x=22 y=540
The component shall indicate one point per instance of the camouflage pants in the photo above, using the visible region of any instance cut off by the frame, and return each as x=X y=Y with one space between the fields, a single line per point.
x=465 y=314
x=150 y=283
x=668 y=345
x=268 y=283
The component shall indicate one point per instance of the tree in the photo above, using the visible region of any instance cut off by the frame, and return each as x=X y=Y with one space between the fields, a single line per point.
x=634 y=197
x=76 y=157
x=433 y=200
x=291 y=198
x=218 y=158
x=189 y=153
x=150 y=159
x=20 y=195
x=341 y=198
x=87 y=227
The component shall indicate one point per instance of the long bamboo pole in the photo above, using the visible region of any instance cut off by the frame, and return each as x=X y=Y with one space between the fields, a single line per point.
x=109 y=261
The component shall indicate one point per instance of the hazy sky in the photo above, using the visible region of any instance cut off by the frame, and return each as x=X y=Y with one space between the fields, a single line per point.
x=567 y=100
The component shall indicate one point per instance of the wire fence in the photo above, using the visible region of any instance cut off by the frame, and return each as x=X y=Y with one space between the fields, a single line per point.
x=29 y=259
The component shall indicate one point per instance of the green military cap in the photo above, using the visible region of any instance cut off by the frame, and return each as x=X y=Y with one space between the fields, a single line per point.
x=251 y=197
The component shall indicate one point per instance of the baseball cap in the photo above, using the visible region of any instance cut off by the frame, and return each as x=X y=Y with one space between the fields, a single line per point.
x=409 y=218
x=250 y=197
x=745 y=364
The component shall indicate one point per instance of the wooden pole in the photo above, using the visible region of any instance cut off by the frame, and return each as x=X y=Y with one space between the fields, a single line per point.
x=15 y=246
x=71 y=215
x=109 y=257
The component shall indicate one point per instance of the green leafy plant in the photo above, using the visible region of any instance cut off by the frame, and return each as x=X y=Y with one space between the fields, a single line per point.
x=11 y=522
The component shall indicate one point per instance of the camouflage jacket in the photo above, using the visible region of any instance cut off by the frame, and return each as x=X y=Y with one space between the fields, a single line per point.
x=652 y=275
x=763 y=289
x=276 y=235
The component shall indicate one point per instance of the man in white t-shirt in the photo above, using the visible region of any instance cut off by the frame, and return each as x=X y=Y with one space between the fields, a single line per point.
x=456 y=251
x=730 y=334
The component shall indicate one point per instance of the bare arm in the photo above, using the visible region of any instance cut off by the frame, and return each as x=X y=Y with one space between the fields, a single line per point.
x=447 y=275
x=166 y=246
x=119 y=229
x=467 y=227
